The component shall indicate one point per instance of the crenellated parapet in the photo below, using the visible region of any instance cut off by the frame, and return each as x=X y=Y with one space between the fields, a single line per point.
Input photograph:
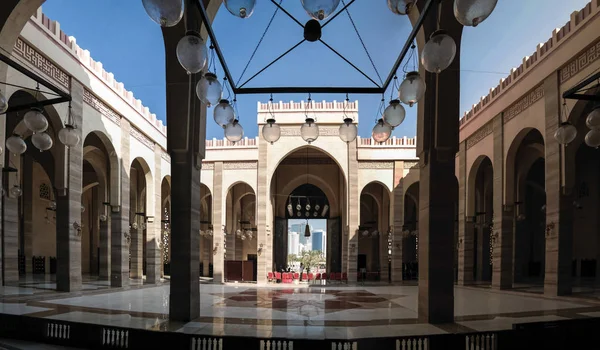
x=543 y=51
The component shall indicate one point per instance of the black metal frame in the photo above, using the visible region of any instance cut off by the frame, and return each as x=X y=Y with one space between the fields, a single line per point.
x=62 y=96
x=575 y=93
x=377 y=89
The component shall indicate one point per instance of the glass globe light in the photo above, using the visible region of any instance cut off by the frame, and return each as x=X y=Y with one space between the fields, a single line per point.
x=192 y=53
x=134 y=226
x=298 y=206
x=400 y=7
x=394 y=114
x=412 y=89
x=53 y=205
x=209 y=89
x=234 y=131
x=167 y=13
x=320 y=9
x=16 y=191
x=271 y=131
x=309 y=130
x=381 y=131
x=42 y=141
x=592 y=138
x=348 y=131
x=223 y=113
x=83 y=209
x=16 y=145
x=3 y=103
x=243 y=238
x=473 y=12
x=103 y=217
x=68 y=136
x=438 y=52
x=1 y=150
x=565 y=134
x=35 y=121
x=240 y=8
x=593 y=119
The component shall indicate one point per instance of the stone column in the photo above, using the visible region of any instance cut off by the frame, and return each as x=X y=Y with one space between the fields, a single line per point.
x=397 y=240
x=136 y=243
x=119 y=246
x=27 y=198
x=264 y=222
x=231 y=224
x=68 y=239
x=104 y=241
x=354 y=213
x=559 y=201
x=154 y=225
x=11 y=232
x=218 y=222
x=382 y=237
x=465 y=221
x=502 y=235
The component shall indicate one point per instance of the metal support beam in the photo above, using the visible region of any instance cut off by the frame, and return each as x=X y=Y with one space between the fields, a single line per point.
x=572 y=93
x=308 y=90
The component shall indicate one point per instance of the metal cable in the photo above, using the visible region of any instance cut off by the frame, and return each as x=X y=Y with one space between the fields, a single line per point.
x=258 y=45
x=363 y=43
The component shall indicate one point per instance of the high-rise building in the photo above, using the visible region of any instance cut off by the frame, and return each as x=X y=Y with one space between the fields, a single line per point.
x=318 y=238
x=293 y=243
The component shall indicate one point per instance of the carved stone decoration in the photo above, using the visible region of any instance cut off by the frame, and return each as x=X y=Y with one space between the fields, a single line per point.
x=376 y=165
x=208 y=166
x=580 y=62
x=411 y=165
x=480 y=134
x=290 y=131
x=141 y=137
x=101 y=107
x=313 y=161
x=240 y=165
x=164 y=155
x=323 y=131
x=525 y=102
x=40 y=62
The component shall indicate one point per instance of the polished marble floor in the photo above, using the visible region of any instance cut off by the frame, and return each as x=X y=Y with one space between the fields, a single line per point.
x=321 y=312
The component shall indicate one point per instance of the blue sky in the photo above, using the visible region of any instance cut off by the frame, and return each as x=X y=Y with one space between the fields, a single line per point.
x=119 y=34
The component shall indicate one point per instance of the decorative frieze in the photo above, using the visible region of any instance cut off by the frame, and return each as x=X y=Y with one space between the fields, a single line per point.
x=375 y=165
x=101 y=107
x=313 y=161
x=480 y=134
x=323 y=131
x=579 y=63
x=164 y=155
x=208 y=166
x=141 y=137
x=525 y=102
x=40 y=62
x=411 y=165
x=239 y=165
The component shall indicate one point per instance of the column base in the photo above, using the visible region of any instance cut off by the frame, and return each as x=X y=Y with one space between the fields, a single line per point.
x=119 y=280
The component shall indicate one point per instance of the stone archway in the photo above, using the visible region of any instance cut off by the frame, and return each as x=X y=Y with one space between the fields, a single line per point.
x=373 y=230
x=241 y=241
x=140 y=194
x=410 y=233
x=206 y=231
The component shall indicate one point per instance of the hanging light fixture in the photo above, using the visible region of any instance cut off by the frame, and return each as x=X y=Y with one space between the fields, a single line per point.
x=3 y=103
x=592 y=138
x=348 y=129
x=16 y=145
x=240 y=8
x=307 y=230
x=473 y=12
x=35 y=120
x=271 y=131
x=166 y=13
x=42 y=141
x=566 y=132
x=192 y=53
x=412 y=89
x=394 y=114
x=209 y=89
x=400 y=7
x=309 y=130
x=593 y=119
x=223 y=113
x=67 y=135
x=234 y=131
x=381 y=131
x=320 y=9
x=438 y=52
x=16 y=191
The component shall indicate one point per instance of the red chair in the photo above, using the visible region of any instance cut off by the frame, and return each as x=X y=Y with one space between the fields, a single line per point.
x=324 y=277
x=304 y=276
x=277 y=276
x=318 y=277
x=311 y=277
x=296 y=276
x=345 y=277
x=270 y=276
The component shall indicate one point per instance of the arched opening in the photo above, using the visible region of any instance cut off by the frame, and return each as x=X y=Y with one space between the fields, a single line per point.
x=140 y=180
x=482 y=198
x=206 y=232
x=373 y=260
x=410 y=234
x=306 y=196
x=240 y=249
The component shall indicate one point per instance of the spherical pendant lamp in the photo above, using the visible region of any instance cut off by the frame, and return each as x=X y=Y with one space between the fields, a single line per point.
x=438 y=52
x=309 y=130
x=565 y=134
x=234 y=131
x=473 y=12
x=209 y=90
x=400 y=7
x=593 y=119
x=192 y=52
x=394 y=114
x=320 y=9
x=412 y=89
x=167 y=13
x=271 y=131
x=16 y=191
x=348 y=131
x=240 y=8
x=68 y=136
x=592 y=138
x=35 y=120
x=223 y=113
x=42 y=141
x=382 y=131
x=16 y=145
x=3 y=103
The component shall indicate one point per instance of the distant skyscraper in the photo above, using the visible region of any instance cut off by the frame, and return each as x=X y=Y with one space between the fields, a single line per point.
x=300 y=229
x=293 y=243
x=317 y=240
